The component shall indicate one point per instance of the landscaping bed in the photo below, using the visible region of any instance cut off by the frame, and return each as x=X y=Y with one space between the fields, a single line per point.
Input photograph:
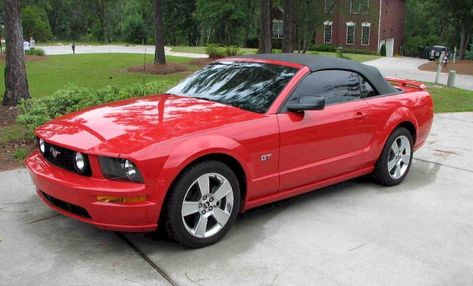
x=461 y=67
x=14 y=141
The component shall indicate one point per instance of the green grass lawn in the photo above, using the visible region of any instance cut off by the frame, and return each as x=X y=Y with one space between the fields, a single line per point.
x=451 y=99
x=89 y=70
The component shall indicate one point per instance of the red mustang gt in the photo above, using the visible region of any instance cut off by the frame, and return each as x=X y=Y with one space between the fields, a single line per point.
x=240 y=133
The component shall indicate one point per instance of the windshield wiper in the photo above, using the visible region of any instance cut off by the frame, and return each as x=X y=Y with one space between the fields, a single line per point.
x=203 y=98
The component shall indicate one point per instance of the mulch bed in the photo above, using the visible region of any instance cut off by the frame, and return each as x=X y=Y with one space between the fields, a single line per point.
x=158 y=69
x=461 y=67
x=7 y=115
x=7 y=161
x=201 y=62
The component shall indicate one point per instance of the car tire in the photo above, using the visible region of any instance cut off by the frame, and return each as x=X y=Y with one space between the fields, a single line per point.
x=395 y=161
x=195 y=219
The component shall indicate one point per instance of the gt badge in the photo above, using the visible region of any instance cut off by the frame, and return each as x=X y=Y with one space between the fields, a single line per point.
x=266 y=157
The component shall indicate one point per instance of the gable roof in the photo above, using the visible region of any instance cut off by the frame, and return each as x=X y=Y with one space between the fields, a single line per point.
x=318 y=63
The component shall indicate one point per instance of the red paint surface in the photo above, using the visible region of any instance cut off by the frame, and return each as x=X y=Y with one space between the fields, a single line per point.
x=163 y=134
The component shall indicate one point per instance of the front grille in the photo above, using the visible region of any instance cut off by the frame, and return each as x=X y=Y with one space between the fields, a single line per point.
x=64 y=158
x=67 y=206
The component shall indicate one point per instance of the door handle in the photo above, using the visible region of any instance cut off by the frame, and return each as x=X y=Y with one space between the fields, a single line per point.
x=360 y=115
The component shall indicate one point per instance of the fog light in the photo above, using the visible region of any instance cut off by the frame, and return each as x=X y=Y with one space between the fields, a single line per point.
x=121 y=200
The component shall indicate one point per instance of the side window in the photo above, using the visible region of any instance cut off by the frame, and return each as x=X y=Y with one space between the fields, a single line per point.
x=335 y=85
x=367 y=89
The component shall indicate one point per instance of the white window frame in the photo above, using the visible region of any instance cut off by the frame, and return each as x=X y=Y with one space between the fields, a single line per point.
x=362 y=13
x=328 y=23
x=363 y=25
x=350 y=24
x=279 y=32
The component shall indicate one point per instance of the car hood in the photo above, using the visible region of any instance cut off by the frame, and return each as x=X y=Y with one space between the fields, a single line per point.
x=124 y=126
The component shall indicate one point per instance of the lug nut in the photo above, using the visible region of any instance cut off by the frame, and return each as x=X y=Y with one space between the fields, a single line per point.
x=204 y=198
x=210 y=208
x=203 y=212
x=200 y=205
x=211 y=199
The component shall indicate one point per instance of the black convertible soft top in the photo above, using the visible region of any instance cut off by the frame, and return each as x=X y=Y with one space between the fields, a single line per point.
x=318 y=63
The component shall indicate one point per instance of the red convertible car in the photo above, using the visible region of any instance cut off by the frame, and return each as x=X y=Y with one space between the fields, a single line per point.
x=240 y=133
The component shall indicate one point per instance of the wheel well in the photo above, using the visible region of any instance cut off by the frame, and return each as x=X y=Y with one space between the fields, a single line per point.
x=226 y=159
x=411 y=128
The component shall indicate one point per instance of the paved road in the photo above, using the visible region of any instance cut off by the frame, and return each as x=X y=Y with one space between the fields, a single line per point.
x=404 y=67
x=354 y=233
x=131 y=49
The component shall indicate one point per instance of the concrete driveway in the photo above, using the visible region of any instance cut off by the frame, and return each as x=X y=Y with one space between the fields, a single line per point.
x=354 y=233
x=407 y=68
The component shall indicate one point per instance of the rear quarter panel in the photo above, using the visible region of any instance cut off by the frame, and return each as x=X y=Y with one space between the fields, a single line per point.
x=413 y=105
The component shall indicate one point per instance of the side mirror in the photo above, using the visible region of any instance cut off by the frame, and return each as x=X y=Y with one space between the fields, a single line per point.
x=307 y=103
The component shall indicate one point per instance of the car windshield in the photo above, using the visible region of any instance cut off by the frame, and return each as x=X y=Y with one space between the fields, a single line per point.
x=246 y=85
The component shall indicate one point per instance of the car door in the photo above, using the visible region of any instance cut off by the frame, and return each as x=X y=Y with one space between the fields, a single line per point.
x=320 y=144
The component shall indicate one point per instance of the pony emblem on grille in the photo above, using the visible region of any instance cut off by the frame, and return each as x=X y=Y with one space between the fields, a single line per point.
x=55 y=152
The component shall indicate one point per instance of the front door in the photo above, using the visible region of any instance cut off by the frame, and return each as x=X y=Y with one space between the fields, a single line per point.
x=320 y=144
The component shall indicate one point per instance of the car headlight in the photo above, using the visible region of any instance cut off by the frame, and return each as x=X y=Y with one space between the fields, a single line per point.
x=42 y=146
x=120 y=169
x=79 y=162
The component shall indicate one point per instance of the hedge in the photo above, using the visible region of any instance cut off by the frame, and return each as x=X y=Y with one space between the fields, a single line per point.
x=34 y=112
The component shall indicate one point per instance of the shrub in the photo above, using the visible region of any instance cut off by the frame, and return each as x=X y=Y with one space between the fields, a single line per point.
x=232 y=51
x=382 y=51
x=216 y=52
x=323 y=48
x=341 y=55
x=36 y=111
x=20 y=154
x=359 y=51
x=36 y=52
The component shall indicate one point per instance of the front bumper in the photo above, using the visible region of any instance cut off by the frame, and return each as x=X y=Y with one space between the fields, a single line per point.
x=76 y=196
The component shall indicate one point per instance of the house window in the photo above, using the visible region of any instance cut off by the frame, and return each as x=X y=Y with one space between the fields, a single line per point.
x=365 y=34
x=350 y=33
x=328 y=6
x=277 y=28
x=328 y=32
x=359 y=6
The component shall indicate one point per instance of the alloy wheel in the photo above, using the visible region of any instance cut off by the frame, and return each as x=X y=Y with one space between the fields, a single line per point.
x=399 y=157
x=207 y=205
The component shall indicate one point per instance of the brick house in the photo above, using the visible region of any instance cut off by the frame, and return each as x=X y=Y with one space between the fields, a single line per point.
x=362 y=24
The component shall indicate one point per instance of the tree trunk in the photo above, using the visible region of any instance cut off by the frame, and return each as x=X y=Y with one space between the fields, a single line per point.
x=265 y=45
x=16 y=83
x=461 y=52
x=159 y=56
x=467 y=40
x=288 y=28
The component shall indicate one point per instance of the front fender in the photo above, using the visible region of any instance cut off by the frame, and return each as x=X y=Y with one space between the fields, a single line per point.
x=191 y=150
